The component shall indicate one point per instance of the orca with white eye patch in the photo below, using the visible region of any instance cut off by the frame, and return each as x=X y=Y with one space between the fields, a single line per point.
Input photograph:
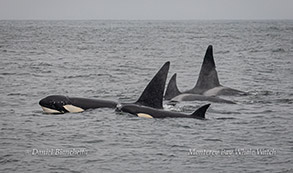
x=64 y=104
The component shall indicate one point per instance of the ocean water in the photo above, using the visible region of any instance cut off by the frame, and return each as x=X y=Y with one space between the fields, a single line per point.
x=115 y=60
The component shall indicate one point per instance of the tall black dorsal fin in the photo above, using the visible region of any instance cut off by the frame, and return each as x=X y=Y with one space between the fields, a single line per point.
x=200 y=112
x=208 y=76
x=172 y=89
x=152 y=95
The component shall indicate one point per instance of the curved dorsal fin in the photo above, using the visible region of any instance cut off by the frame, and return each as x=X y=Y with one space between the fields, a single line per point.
x=200 y=112
x=152 y=95
x=172 y=89
x=208 y=76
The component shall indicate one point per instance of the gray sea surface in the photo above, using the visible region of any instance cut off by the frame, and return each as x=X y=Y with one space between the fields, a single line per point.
x=115 y=60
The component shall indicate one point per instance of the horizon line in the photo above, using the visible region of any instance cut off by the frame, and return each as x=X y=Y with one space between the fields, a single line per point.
x=111 y=19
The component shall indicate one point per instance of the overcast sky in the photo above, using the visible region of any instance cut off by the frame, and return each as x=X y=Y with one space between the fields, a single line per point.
x=146 y=9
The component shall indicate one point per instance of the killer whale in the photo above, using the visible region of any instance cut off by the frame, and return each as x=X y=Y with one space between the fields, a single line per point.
x=208 y=83
x=152 y=97
x=150 y=103
x=149 y=112
x=173 y=94
x=63 y=104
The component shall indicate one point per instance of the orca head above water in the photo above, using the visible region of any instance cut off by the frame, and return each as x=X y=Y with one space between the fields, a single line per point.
x=55 y=104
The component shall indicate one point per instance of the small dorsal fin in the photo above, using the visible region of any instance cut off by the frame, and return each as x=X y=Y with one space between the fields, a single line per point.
x=208 y=76
x=152 y=95
x=200 y=112
x=172 y=89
